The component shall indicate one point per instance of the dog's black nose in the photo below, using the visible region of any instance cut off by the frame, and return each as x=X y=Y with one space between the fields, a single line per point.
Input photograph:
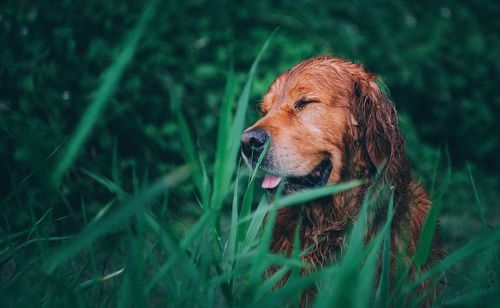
x=252 y=143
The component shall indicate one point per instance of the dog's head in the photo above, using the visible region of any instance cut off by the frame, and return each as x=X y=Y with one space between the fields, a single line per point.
x=319 y=117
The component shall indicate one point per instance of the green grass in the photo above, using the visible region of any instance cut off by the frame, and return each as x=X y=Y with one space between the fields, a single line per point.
x=110 y=80
x=138 y=249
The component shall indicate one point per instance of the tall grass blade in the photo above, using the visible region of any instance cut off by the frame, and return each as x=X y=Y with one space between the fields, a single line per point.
x=427 y=235
x=283 y=295
x=108 y=223
x=134 y=269
x=183 y=262
x=484 y=222
x=246 y=205
x=231 y=250
x=303 y=196
x=99 y=279
x=341 y=289
x=193 y=234
x=270 y=282
x=474 y=246
x=382 y=293
x=186 y=139
x=107 y=183
x=434 y=173
x=362 y=294
x=223 y=141
x=255 y=225
x=236 y=129
x=259 y=261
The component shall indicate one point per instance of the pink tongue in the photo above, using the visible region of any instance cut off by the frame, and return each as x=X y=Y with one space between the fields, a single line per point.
x=271 y=181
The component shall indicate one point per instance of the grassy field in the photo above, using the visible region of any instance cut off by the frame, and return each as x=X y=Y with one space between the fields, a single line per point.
x=107 y=231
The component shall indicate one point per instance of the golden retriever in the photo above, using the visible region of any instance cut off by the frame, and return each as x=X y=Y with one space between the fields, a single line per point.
x=327 y=121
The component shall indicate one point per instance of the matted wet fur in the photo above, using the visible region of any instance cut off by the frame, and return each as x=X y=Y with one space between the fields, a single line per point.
x=330 y=109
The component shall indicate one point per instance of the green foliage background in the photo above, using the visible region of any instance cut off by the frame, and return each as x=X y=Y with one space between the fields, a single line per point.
x=439 y=60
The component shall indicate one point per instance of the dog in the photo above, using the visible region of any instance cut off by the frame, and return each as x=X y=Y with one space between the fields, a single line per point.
x=326 y=120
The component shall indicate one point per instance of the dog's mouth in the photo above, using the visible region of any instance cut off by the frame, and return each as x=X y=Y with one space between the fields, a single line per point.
x=316 y=178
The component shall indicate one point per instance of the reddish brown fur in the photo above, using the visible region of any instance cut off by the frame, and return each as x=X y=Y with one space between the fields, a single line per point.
x=355 y=126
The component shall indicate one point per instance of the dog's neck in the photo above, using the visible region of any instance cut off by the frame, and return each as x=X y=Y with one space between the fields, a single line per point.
x=323 y=225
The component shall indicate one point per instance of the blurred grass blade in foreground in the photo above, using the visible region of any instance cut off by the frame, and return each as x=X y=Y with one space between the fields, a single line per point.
x=110 y=222
x=110 y=80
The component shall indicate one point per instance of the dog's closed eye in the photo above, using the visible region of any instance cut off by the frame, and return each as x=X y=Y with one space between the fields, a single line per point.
x=303 y=102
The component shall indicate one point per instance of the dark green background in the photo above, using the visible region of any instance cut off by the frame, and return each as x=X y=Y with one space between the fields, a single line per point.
x=439 y=60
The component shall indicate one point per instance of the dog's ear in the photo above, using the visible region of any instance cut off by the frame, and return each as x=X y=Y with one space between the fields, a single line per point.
x=377 y=116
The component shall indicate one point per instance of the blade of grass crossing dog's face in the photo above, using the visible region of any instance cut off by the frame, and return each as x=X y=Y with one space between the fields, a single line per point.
x=239 y=118
x=303 y=196
x=110 y=80
x=246 y=205
x=237 y=127
x=108 y=223
x=226 y=168
x=312 y=194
